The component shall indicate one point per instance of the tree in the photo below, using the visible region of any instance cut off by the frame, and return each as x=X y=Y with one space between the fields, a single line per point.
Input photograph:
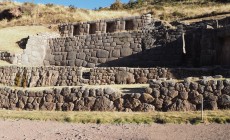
x=116 y=5
x=131 y=3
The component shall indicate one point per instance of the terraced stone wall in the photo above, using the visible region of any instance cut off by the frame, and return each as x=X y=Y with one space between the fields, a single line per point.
x=75 y=76
x=39 y=76
x=161 y=96
x=187 y=95
x=145 y=48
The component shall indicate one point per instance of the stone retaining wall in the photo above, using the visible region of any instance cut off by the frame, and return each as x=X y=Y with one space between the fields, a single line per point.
x=39 y=76
x=187 y=95
x=153 y=46
x=75 y=76
x=162 y=96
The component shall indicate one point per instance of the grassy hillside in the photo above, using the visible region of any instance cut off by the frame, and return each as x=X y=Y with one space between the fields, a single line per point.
x=31 y=14
x=11 y=35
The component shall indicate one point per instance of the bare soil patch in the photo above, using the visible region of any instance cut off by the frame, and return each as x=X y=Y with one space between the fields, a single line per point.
x=26 y=129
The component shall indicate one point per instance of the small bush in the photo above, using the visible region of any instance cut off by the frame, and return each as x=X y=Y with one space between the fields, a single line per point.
x=178 y=14
x=195 y=121
x=68 y=119
x=117 y=5
x=49 y=4
x=17 y=80
x=118 y=120
x=72 y=8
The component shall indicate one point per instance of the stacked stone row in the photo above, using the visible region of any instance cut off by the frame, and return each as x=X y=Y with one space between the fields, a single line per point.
x=93 y=50
x=188 y=95
x=40 y=76
x=161 y=96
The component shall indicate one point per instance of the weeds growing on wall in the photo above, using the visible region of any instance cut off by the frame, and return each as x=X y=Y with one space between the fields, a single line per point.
x=18 y=80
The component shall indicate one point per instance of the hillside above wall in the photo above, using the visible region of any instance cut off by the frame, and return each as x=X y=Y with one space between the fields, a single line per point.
x=18 y=14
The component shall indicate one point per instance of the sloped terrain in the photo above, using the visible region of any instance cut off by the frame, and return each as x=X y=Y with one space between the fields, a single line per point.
x=11 y=35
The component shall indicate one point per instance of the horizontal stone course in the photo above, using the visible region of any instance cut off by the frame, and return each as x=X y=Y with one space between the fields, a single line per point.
x=160 y=96
x=75 y=76
x=188 y=95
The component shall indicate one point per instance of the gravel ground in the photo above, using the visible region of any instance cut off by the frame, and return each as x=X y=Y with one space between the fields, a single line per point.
x=40 y=130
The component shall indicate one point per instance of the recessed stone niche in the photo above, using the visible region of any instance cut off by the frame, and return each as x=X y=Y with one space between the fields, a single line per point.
x=129 y=25
x=110 y=27
x=76 y=30
x=225 y=52
x=92 y=28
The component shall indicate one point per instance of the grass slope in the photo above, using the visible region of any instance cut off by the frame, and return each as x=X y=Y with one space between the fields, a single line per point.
x=9 y=36
x=221 y=116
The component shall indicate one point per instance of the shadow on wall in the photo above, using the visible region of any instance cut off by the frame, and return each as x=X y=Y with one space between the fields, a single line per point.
x=133 y=90
x=22 y=43
x=169 y=55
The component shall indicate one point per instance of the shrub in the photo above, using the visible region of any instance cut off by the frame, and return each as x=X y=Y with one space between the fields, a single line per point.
x=49 y=4
x=117 y=5
x=72 y=8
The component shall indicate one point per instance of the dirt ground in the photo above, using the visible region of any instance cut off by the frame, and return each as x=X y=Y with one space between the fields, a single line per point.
x=39 y=130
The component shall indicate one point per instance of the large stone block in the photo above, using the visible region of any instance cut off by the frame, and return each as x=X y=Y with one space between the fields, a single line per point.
x=102 y=54
x=81 y=55
x=71 y=56
x=126 y=52
x=58 y=57
x=116 y=53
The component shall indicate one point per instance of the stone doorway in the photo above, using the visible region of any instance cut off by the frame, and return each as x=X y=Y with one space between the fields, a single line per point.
x=225 y=52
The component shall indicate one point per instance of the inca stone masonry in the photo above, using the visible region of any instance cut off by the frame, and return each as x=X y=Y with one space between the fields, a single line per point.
x=140 y=41
x=134 y=50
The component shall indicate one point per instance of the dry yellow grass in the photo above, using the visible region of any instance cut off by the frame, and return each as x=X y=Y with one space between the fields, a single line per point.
x=55 y=14
x=9 y=36
x=220 y=116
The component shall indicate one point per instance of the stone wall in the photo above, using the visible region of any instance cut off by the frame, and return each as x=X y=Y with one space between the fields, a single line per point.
x=104 y=26
x=162 y=96
x=6 y=56
x=207 y=42
x=145 y=48
x=75 y=76
x=35 y=50
x=187 y=95
x=39 y=76
x=119 y=75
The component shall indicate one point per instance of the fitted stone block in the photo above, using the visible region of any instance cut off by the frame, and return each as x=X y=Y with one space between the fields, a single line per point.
x=71 y=56
x=126 y=52
x=102 y=54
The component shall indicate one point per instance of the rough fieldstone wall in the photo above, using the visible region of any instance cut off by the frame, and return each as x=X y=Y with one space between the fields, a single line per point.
x=187 y=95
x=39 y=76
x=111 y=75
x=6 y=56
x=162 y=96
x=75 y=76
x=104 y=26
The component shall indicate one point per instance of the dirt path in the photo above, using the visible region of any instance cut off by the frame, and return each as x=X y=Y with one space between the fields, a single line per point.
x=38 y=130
